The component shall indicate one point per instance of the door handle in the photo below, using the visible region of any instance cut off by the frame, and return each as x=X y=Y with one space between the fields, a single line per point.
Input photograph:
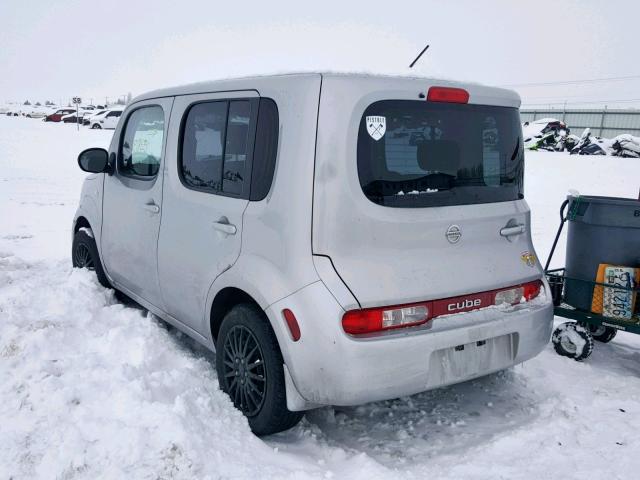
x=225 y=227
x=152 y=207
x=512 y=230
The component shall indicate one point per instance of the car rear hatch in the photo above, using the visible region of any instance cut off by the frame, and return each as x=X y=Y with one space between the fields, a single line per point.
x=418 y=191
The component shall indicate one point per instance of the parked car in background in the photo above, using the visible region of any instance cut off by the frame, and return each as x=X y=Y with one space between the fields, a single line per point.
x=109 y=120
x=78 y=116
x=89 y=117
x=37 y=112
x=58 y=114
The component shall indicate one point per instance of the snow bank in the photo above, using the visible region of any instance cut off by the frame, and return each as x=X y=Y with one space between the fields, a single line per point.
x=91 y=388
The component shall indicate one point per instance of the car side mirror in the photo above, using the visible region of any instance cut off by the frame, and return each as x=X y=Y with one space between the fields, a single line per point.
x=94 y=160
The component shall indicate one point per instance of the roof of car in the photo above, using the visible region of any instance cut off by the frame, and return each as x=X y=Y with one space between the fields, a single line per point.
x=254 y=82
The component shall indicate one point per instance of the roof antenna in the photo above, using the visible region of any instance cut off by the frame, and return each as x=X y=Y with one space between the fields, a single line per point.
x=418 y=57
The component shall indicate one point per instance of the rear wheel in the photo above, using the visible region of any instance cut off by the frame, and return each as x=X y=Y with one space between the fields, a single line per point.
x=96 y=126
x=84 y=254
x=250 y=370
x=602 y=334
x=573 y=340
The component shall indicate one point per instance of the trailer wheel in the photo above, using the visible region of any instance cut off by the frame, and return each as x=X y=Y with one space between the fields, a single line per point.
x=602 y=334
x=573 y=340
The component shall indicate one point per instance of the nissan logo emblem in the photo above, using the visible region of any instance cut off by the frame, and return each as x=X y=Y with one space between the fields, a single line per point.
x=454 y=234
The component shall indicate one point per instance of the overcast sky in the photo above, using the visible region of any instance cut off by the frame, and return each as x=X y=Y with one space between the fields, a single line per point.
x=56 y=49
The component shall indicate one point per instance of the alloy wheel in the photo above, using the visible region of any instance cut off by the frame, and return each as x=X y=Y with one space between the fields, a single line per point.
x=82 y=257
x=245 y=375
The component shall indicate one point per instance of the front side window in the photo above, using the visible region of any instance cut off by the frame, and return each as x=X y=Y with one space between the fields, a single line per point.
x=425 y=154
x=141 y=144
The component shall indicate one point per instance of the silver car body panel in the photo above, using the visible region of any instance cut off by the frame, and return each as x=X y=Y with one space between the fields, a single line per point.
x=318 y=246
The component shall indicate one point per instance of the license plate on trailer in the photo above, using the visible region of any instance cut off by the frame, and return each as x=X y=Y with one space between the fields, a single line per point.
x=618 y=303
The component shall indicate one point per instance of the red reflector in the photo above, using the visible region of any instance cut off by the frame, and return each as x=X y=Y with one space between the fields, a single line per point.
x=448 y=95
x=292 y=323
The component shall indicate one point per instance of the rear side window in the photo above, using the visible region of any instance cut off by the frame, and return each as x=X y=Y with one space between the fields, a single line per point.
x=217 y=139
x=265 y=150
x=236 y=147
x=426 y=154
x=141 y=147
x=203 y=134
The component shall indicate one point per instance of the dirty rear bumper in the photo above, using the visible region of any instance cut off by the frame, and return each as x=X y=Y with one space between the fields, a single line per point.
x=328 y=367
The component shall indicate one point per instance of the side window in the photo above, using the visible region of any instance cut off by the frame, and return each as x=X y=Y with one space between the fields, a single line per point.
x=141 y=144
x=265 y=150
x=216 y=146
x=114 y=114
x=236 y=146
x=202 y=145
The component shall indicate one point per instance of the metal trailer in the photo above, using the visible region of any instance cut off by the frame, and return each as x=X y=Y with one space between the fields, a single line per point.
x=575 y=339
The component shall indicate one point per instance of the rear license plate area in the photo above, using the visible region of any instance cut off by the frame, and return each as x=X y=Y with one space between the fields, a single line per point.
x=471 y=359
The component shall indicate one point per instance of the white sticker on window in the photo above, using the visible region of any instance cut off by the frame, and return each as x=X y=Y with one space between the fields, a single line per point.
x=376 y=126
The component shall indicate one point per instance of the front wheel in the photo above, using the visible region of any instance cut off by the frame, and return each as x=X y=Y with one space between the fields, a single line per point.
x=84 y=254
x=572 y=340
x=95 y=126
x=250 y=370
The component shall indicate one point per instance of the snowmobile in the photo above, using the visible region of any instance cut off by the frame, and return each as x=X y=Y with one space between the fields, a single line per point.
x=587 y=145
x=566 y=141
x=548 y=134
x=626 y=146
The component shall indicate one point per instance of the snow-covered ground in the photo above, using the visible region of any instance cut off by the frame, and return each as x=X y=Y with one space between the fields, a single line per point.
x=90 y=388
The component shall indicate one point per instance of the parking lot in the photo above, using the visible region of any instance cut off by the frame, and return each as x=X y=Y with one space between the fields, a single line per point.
x=91 y=387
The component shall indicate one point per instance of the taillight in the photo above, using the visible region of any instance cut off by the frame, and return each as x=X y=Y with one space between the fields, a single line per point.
x=448 y=95
x=369 y=320
x=514 y=295
x=356 y=322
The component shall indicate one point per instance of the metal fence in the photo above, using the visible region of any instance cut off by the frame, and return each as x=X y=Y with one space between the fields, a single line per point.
x=602 y=122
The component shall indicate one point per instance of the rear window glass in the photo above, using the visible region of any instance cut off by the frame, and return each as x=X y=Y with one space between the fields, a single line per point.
x=423 y=154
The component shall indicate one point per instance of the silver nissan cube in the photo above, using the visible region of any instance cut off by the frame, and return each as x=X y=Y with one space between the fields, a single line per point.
x=335 y=239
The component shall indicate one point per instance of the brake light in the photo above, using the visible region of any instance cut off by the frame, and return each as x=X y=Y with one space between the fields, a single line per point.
x=356 y=322
x=369 y=320
x=447 y=95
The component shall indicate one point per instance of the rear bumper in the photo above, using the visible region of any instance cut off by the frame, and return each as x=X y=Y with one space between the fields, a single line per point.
x=328 y=367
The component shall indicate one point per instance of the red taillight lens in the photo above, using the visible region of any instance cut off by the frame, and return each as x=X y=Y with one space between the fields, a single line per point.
x=356 y=322
x=292 y=323
x=447 y=95
x=532 y=290
x=514 y=295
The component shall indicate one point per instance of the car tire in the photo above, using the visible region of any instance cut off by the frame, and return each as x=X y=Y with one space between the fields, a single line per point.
x=573 y=340
x=84 y=254
x=250 y=370
x=602 y=334
x=95 y=126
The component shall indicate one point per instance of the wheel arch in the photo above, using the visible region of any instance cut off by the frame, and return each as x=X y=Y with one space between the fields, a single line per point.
x=223 y=302
x=81 y=222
